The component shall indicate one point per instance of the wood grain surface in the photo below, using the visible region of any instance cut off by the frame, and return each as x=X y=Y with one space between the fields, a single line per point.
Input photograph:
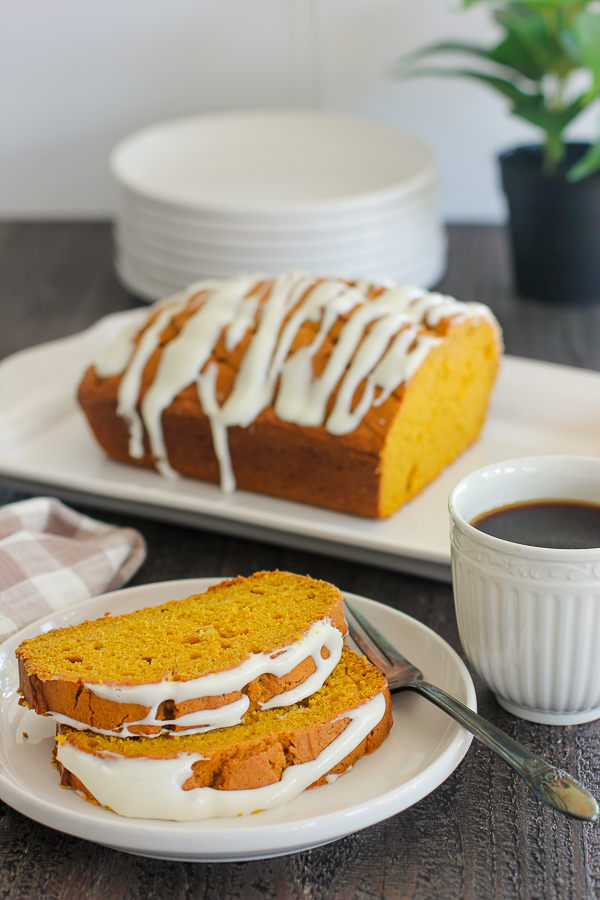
x=481 y=835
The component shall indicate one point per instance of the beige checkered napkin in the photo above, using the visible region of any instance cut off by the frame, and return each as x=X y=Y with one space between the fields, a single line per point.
x=51 y=557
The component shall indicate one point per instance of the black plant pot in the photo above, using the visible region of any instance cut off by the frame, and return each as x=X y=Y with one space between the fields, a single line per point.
x=554 y=227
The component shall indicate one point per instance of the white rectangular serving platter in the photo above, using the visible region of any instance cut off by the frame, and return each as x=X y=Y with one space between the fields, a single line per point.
x=46 y=446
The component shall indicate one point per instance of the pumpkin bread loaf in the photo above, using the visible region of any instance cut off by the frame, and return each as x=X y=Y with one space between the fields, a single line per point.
x=192 y=664
x=265 y=761
x=346 y=395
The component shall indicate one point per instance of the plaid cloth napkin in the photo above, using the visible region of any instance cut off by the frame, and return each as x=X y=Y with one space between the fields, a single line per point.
x=51 y=557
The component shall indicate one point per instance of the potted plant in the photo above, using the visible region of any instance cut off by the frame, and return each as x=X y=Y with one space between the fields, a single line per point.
x=547 y=65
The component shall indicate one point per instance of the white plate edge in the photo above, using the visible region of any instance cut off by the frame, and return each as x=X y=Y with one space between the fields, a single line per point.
x=416 y=788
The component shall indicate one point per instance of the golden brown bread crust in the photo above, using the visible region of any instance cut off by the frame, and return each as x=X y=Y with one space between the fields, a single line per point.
x=344 y=472
x=272 y=457
x=66 y=694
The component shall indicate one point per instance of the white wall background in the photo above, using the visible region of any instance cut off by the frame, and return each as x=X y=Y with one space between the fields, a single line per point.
x=76 y=76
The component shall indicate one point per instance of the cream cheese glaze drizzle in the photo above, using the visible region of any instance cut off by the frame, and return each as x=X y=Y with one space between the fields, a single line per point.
x=280 y=663
x=194 y=723
x=381 y=344
x=148 y=788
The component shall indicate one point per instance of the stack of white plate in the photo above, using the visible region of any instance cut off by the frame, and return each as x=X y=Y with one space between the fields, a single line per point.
x=221 y=195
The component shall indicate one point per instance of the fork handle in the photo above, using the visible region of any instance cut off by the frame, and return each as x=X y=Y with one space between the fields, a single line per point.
x=554 y=786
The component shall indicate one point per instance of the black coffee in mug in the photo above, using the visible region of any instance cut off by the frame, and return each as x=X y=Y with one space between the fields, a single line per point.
x=556 y=524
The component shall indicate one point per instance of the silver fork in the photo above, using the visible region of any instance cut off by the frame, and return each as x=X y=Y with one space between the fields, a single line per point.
x=554 y=786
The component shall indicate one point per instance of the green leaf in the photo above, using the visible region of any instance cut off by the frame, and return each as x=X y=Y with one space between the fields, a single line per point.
x=538 y=4
x=585 y=36
x=534 y=110
x=570 y=6
x=528 y=47
x=536 y=38
x=531 y=107
x=444 y=47
x=552 y=121
x=587 y=165
x=508 y=88
x=509 y=53
x=515 y=54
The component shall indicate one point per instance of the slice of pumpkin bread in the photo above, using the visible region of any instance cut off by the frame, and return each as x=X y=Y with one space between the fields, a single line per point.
x=196 y=664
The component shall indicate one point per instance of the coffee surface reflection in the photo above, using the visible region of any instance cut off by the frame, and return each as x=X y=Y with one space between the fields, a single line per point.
x=556 y=524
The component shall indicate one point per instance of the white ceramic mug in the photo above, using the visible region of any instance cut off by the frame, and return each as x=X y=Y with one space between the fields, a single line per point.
x=529 y=617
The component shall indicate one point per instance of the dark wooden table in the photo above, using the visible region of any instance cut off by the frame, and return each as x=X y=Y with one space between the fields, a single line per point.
x=481 y=835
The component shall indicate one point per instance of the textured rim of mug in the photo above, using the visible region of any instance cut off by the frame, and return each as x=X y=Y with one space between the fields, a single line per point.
x=527 y=550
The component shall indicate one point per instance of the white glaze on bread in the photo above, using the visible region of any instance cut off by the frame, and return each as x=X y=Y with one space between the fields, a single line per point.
x=382 y=343
x=152 y=788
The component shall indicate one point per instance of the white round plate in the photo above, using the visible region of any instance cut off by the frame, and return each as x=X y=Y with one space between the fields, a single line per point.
x=292 y=222
x=139 y=211
x=425 y=270
x=422 y=750
x=272 y=162
x=171 y=266
x=162 y=266
x=406 y=233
